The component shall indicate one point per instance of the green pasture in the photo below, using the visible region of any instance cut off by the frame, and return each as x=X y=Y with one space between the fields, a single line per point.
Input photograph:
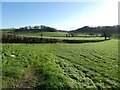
x=44 y=34
x=88 y=65
x=58 y=35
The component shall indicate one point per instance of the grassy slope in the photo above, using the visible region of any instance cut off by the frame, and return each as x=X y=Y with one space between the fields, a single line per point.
x=87 y=65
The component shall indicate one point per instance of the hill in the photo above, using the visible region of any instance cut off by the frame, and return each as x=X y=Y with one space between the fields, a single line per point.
x=40 y=28
x=99 y=29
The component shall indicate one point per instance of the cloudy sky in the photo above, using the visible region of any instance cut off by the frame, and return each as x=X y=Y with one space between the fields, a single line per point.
x=61 y=15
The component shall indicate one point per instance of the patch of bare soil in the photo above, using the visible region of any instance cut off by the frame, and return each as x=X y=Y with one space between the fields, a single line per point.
x=27 y=81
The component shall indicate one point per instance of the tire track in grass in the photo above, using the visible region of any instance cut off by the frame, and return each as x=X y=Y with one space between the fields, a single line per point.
x=87 y=70
x=109 y=80
x=74 y=73
x=106 y=66
x=99 y=66
x=90 y=59
x=71 y=72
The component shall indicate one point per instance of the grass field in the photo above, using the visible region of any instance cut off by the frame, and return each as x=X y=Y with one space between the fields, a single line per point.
x=57 y=35
x=45 y=34
x=77 y=38
x=89 y=65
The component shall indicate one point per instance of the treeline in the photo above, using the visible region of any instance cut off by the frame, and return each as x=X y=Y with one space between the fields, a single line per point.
x=100 y=29
x=40 y=28
x=105 y=31
x=9 y=38
x=86 y=29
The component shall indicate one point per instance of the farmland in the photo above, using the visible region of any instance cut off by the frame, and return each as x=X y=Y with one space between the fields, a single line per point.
x=57 y=35
x=47 y=34
x=59 y=46
x=88 y=65
x=36 y=33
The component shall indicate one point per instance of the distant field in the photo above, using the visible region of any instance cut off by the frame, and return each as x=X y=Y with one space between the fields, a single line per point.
x=45 y=34
x=58 y=35
x=90 y=65
x=78 y=38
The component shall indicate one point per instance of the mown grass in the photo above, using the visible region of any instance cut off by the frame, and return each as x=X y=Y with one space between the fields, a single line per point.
x=89 y=65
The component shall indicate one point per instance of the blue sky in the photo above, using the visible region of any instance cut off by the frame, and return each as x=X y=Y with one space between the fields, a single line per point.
x=61 y=15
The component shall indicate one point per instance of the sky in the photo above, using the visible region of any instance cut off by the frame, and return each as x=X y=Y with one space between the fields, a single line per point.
x=60 y=15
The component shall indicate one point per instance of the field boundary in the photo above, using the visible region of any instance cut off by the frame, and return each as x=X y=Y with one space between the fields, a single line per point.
x=24 y=39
